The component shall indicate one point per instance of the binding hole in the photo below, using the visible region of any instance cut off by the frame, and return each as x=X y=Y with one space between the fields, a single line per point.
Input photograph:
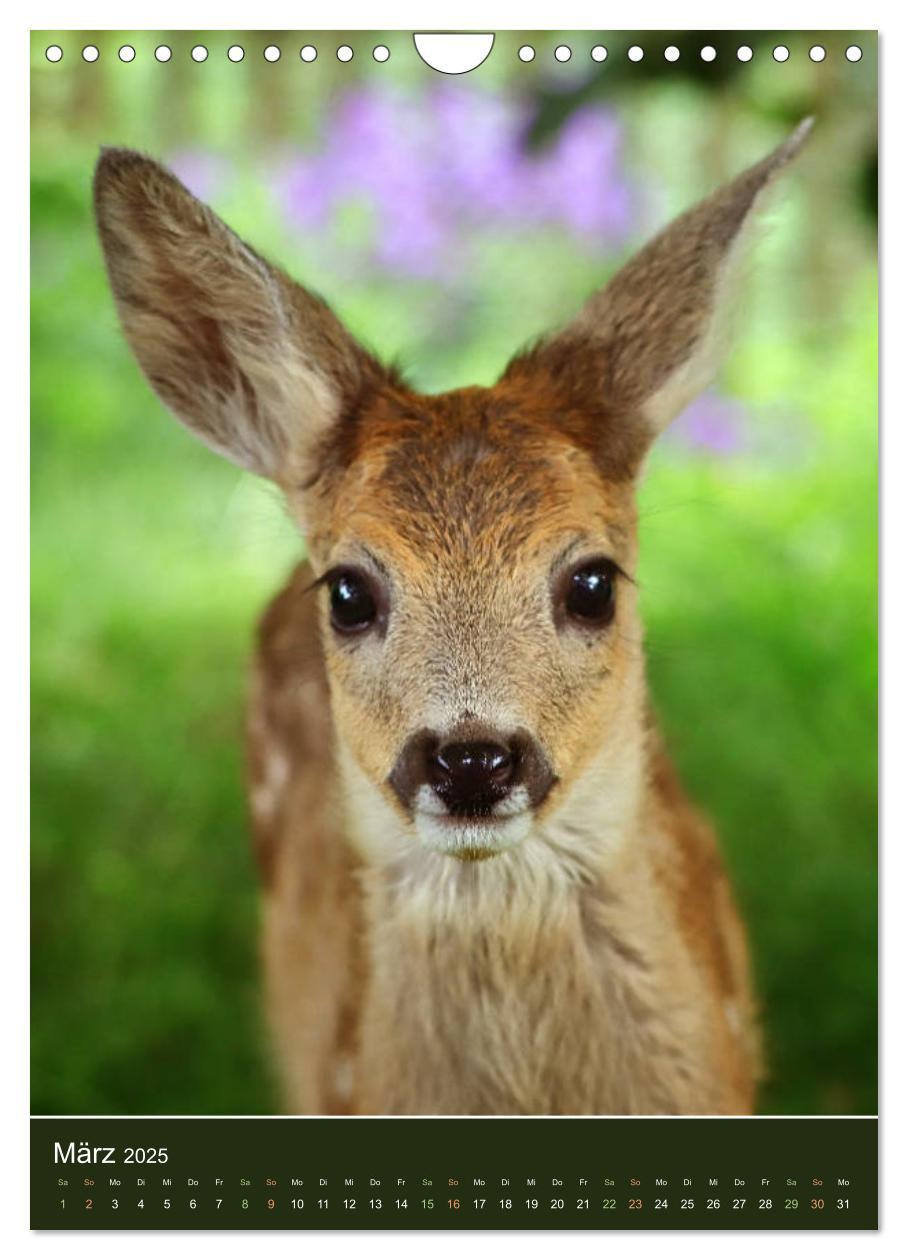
x=526 y=52
x=780 y=53
x=54 y=53
x=599 y=52
x=345 y=53
x=853 y=52
x=562 y=53
x=453 y=52
x=381 y=52
x=90 y=53
x=127 y=53
x=308 y=53
x=236 y=53
x=817 y=53
x=707 y=53
x=672 y=53
x=635 y=53
x=745 y=53
x=199 y=53
x=162 y=53
x=272 y=53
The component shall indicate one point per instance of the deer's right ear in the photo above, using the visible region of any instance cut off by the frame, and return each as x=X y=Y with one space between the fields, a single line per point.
x=646 y=344
x=252 y=363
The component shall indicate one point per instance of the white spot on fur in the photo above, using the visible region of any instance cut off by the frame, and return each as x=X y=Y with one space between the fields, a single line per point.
x=343 y=1076
x=428 y=802
x=266 y=793
x=516 y=802
x=733 y=1017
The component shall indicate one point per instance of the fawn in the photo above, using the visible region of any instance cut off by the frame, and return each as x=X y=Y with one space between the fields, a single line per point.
x=484 y=888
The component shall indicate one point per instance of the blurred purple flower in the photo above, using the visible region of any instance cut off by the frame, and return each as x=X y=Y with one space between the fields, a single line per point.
x=583 y=179
x=433 y=169
x=304 y=193
x=714 y=424
x=477 y=141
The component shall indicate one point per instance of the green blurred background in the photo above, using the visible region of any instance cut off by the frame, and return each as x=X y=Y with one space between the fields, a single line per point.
x=448 y=220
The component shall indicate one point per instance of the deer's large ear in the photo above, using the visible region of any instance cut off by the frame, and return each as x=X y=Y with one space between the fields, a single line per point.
x=252 y=363
x=643 y=347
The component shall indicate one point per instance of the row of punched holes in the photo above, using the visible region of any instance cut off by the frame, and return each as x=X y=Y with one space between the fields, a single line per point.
x=563 y=52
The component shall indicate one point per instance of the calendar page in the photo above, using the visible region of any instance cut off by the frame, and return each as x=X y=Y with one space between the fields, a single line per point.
x=454 y=630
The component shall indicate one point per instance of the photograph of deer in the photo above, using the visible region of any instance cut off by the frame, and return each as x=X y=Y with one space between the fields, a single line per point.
x=485 y=891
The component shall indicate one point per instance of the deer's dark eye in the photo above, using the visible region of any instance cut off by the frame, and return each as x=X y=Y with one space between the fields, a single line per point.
x=590 y=596
x=353 y=605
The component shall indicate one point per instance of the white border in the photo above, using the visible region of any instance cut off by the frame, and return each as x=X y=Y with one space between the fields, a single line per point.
x=230 y=15
x=572 y=15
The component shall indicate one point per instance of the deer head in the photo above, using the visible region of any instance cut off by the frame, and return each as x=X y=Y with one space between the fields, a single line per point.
x=475 y=549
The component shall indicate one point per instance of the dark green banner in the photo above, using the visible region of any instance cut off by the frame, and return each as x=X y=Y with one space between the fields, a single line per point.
x=599 y=1173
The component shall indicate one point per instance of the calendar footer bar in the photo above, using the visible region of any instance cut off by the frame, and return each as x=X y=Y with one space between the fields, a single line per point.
x=454 y=1173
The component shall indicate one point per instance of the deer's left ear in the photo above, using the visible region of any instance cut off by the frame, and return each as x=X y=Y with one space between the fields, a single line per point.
x=255 y=365
x=643 y=347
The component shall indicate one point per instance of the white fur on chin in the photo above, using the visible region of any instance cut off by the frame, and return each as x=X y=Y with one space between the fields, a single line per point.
x=469 y=838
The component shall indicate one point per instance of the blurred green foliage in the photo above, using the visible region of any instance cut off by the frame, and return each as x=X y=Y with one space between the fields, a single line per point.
x=151 y=559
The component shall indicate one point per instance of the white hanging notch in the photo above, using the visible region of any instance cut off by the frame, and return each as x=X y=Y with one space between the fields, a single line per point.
x=453 y=53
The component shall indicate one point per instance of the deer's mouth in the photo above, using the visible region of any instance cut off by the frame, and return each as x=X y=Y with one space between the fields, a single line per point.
x=472 y=839
x=476 y=835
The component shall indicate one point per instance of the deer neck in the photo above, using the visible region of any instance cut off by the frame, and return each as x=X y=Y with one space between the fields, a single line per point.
x=468 y=960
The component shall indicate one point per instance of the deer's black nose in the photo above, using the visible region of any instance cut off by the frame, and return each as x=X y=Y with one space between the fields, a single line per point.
x=471 y=768
x=471 y=777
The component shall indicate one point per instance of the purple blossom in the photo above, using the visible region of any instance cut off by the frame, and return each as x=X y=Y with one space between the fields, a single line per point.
x=713 y=423
x=304 y=192
x=582 y=181
x=435 y=170
x=478 y=139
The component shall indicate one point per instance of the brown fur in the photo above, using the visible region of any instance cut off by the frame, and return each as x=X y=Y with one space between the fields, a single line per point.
x=598 y=965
